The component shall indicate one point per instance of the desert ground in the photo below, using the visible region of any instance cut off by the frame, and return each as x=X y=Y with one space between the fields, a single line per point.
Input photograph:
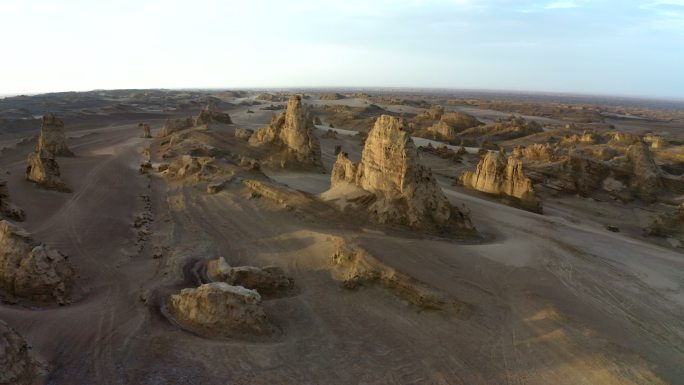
x=577 y=293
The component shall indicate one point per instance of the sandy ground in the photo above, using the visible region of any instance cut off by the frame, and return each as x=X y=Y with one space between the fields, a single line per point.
x=549 y=299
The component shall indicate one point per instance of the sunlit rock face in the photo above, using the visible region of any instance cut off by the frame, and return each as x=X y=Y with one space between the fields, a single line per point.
x=498 y=175
x=405 y=192
x=292 y=132
x=220 y=309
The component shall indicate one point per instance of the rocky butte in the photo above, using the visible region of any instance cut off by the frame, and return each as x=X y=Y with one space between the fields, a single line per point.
x=405 y=192
x=292 y=134
x=52 y=138
x=31 y=271
x=504 y=177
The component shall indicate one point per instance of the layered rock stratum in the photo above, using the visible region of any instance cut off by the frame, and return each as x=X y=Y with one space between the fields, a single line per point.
x=405 y=192
x=498 y=175
x=220 y=309
x=291 y=134
x=30 y=271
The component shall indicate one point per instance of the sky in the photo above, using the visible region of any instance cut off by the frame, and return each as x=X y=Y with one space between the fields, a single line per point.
x=605 y=47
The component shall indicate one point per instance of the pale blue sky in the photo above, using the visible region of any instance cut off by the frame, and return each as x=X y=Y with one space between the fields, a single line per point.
x=628 y=47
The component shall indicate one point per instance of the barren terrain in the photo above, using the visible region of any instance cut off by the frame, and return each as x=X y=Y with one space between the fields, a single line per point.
x=537 y=298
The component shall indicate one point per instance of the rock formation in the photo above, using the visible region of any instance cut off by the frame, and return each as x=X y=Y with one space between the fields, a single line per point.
x=212 y=114
x=146 y=130
x=243 y=133
x=620 y=138
x=646 y=177
x=175 y=125
x=535 y=152
x=219 y=309
x=16 y=364
x=503 y=129
x=405 y=192
x=500 y=176
x=31 y=271
x=52 y=138
x=670 y=226
x=268 y=280
x=42 y=168
x=587 y=137
x=292 y=132
x=7 y=208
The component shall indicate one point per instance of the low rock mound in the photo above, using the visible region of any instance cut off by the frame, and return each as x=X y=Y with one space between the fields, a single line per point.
x=52 y=138
x=8 y=209
x=16 y=364
x=670 y=226
x=221 y=310
x=212 y=114
x=291 y=134
x=354 y=266
x=269 y=280
x=243 y=133
x=587 y=137
x=174 y=125
x=405 y=192
x=504 y=177
x=503 y=129
x=43 y=169
x=31 y=271
x=536 y=152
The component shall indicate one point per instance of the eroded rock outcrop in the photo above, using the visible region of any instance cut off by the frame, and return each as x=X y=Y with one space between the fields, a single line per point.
x=646 y=179
x=174 y=125
x=17 y=366
x=536 y=152
x=147 y=133
x=8 y=209
x=405 y=192
x=670 y=226
x=354 y=266
x=43 y=169
x=30 y=271
x=219 y=309
x=292 y=134
x=212 y=114
x=500 y=176
x=52 y=138
x=268 y=280
x=243 y=133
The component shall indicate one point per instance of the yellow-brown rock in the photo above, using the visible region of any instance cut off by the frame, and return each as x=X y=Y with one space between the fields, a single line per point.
x=500 y=176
